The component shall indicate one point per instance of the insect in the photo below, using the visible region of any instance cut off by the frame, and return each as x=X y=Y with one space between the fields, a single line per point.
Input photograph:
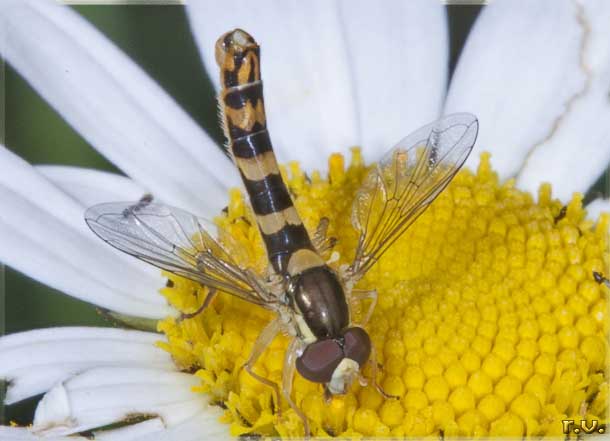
x=600 y=278
x=312 y=299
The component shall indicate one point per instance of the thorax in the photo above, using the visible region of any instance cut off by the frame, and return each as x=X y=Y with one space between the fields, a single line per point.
x=318 y=300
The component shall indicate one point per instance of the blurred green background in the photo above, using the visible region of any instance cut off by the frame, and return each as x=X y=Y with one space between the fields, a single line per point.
x=158 y=39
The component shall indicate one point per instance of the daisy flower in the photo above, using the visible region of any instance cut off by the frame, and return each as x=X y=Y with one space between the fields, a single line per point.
x=489 y=320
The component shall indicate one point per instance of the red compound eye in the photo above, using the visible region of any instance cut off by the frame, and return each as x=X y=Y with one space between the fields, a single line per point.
x=319 y=360
x=357 y=345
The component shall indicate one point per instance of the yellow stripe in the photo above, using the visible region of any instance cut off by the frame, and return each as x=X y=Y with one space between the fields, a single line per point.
x=259 y=167
x=247 y=116
x=249 y=64
x=302 y=260
x=274 y=222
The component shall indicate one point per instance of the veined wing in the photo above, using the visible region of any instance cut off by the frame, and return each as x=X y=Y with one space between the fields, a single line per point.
x=406 y=181
x=176 y=241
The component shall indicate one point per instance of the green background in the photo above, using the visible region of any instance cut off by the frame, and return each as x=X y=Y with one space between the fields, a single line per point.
x=158 y=38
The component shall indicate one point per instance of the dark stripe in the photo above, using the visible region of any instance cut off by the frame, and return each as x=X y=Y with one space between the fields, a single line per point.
x=236 y=133
x=237 y=98
x=268 y=195
x=252 y=73
x=230 y=76
x=282 y=244
x=252 y=145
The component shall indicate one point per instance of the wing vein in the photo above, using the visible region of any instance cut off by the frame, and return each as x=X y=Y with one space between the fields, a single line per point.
x=405 y=182
x=178 y=242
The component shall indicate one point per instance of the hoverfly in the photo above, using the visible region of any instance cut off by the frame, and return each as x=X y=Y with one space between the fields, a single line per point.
x=311 y=298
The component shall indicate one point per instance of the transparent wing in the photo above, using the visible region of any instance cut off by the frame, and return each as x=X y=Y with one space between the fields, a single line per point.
x=176 y=241
x=406 y=181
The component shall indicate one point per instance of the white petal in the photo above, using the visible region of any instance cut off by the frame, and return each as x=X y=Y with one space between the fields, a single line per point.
x=597 y=207
x=21 y=178
x=113 y=104
x=102 y=396
x=24 y=179
x=580 y=147
x=89 y=187
x=68 y=333
x=34 y=361
x=23 y=434
x=53 y=412
x=308 y=90
x=132 y=432
x=518 y=71
x=43 y=234
x=399 y=63
x=37 y=261
x=202 y=426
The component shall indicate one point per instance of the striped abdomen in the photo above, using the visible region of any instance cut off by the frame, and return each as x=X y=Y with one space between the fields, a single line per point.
x=241 y=102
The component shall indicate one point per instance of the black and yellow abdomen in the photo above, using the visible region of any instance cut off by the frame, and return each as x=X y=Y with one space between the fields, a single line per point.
x=289 y=247
x=314 y=289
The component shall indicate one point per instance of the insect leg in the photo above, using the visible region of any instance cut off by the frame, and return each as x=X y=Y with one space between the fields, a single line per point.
x=288 y=376
x=320 y=235
x=263 y=340
x=374 y=366
x=208 y=299
x=600 y=278
x=361 y=294
x=321 y=242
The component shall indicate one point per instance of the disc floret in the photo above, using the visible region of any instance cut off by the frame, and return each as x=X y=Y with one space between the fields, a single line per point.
x=489 y=321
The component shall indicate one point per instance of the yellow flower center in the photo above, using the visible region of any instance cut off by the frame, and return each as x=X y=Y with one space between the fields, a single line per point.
x=489 y=320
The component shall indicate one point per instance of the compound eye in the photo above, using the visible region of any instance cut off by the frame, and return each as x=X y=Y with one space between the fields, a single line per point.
x=319 y=360
x=357 y=345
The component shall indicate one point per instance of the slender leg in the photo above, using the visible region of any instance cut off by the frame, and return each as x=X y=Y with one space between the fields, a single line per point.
x=321 y=242
x=288 y=376
x=208 y=299
x=320 y=235
x=262 y=341
x=361 y=294
x=373 y=360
